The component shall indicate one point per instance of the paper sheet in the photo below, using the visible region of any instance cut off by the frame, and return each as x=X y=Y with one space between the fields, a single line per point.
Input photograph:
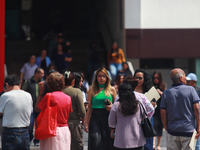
x=193 y=140
x=152 y=93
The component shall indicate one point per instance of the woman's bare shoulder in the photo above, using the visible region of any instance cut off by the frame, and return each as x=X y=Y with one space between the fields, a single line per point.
x=113 y=91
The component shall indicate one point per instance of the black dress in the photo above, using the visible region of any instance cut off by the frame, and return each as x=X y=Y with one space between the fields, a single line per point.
x=99 y=132
x=158 y=126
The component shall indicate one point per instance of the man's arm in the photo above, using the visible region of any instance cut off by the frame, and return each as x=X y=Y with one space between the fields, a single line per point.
x=164 y=118
x=21 y=77
x=196 y=113
x=80 y=104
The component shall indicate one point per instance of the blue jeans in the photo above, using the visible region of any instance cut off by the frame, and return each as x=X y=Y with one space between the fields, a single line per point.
x=149 y=141
x=198 y=144
x=114 y=67
x=30 y=127
x=15 y=139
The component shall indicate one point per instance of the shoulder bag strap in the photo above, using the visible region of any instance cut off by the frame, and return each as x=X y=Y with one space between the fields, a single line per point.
x=140 y=105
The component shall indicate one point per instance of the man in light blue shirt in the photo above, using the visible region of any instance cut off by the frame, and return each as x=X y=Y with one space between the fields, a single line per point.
x=28 y=69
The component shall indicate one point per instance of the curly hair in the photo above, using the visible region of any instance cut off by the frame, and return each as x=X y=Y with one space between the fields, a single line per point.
x=147 y=82
x=55 y=81
x=132 y=81
x=128 y=103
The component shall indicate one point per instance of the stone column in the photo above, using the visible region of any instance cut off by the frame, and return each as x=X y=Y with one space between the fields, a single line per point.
x=2 y=42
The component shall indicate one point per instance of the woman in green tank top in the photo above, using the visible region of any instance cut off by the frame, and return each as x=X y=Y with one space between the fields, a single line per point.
x=96 y=120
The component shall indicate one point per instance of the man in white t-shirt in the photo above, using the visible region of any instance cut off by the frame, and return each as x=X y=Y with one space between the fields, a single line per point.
x=16 y=107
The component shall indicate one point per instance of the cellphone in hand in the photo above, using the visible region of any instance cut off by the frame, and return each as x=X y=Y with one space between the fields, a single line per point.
x=153 y=100
x=107 y=102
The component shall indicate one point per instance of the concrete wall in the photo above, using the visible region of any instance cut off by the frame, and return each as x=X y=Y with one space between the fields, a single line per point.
x=170 y=14
x=159 y=14
x=132 y=14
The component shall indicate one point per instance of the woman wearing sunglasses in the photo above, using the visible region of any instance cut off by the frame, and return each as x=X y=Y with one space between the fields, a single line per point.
x=144 y=86
x=159 y=84
x=101 y=96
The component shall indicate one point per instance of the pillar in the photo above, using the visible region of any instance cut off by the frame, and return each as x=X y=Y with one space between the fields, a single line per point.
x=2 y=42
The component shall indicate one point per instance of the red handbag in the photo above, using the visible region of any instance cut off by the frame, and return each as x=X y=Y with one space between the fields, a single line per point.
x=46 y=121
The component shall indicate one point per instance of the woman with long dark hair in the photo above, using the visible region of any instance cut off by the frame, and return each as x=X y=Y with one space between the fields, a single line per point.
x=159 y=84
x=144 y=83
x=115 y=60
x=144 y=86
x=126 y=116
x=79 y=84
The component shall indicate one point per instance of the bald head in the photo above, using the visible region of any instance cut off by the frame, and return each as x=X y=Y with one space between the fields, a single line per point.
x=178 y=75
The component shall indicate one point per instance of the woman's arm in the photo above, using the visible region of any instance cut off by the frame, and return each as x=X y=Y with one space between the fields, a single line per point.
x=112 y=119
x=114 y=94
x=122 y=54
x=164 y=87
x=89 y=110
x=149 y=107
x=41 y=86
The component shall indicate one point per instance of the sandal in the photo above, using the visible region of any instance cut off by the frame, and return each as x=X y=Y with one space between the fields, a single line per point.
x=154 y=146
x=158 y=147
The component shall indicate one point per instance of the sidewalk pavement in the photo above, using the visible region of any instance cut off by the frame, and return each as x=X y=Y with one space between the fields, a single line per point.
x=85 y=140
x=163 y=141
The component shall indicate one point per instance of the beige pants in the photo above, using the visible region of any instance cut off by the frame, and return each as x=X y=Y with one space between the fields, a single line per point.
x=177 y=142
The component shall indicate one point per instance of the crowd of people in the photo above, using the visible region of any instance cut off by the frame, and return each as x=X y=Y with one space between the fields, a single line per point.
x=108 y=110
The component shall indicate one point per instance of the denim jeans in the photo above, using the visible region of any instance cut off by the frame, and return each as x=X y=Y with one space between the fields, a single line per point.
x=149 y=141
x=30 y=127
x=198 y=144
x=15 y=139
x=114 y=67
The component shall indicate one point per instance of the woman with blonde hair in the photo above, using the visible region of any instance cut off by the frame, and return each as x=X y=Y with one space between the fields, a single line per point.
x=101 y=97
